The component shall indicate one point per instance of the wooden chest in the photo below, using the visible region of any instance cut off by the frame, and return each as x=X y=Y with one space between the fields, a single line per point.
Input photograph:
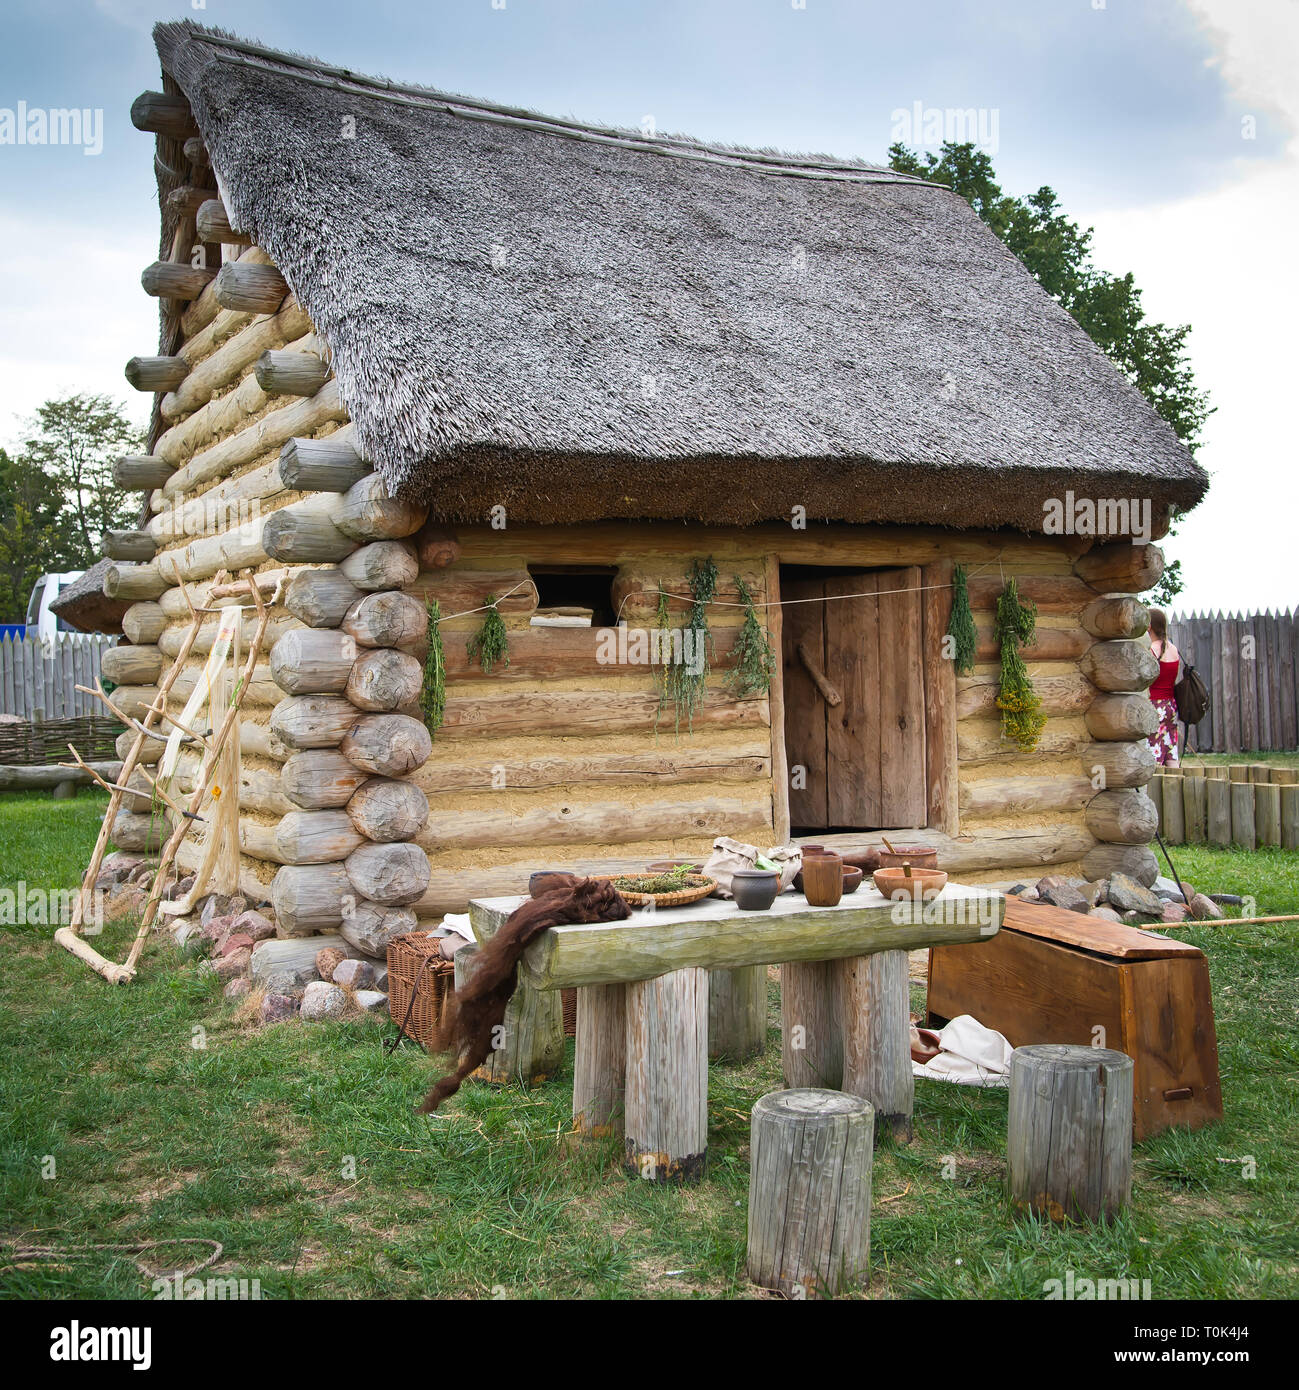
x=1051 y=976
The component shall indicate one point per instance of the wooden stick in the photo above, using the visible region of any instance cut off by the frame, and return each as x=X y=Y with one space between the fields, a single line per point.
x=828 y=693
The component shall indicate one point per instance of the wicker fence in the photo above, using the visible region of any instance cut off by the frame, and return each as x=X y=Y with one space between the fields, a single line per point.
x=41 y=711
x=1248 y=662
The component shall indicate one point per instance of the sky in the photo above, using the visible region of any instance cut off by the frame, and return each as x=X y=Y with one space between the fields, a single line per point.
x=1171 y=127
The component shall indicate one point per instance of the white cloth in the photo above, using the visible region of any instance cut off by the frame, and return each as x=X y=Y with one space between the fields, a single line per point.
x=971 y=1055
x=456 y=924
x=729 y=855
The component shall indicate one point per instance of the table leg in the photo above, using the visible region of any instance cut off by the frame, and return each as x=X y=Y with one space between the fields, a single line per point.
x=600 y=1060
x=529 y=1047
x=666 y=1120
x=811 y=1030
x=737 y=1012
x=876 y=1003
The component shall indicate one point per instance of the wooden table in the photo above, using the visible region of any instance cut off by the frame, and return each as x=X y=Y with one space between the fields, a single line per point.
x=641 y=1062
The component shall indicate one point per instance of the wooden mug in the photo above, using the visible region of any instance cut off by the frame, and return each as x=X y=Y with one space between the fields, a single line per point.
x=823 y=880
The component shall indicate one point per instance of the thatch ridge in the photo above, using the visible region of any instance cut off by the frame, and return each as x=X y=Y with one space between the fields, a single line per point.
x=581 y=323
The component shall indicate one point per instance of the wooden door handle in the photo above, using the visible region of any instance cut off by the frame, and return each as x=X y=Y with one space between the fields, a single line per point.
x=827 y=692
x=1178 y=1093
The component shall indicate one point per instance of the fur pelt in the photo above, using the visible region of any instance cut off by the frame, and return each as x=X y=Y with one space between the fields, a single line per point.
x=479 y=1006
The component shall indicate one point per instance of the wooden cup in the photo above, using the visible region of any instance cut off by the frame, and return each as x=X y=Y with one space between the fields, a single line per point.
x=823 y=880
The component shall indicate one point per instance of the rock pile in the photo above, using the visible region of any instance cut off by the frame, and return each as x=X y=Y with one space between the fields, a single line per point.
x=1119 y=898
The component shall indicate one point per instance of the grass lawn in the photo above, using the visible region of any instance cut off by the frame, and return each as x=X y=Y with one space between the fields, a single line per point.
x=165 y=1114
x=1277 y=759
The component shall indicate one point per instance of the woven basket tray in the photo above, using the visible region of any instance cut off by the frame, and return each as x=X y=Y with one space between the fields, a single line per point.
x=699 y=887
x=416 y=967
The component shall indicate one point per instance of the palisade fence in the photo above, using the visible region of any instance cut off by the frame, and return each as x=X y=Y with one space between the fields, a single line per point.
x=1248 y=663
x=41 y=711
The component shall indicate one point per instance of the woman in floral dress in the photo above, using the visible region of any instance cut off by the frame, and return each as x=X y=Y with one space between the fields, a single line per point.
x=1164 y=740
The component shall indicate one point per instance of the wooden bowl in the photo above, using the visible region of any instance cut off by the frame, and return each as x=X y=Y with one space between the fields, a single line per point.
x=852 y=878
x=923 y=885
x=918 y=856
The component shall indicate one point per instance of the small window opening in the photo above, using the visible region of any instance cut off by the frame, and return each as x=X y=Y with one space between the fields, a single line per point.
x=575 y=591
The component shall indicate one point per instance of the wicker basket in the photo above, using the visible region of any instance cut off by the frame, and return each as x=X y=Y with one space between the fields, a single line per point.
x=569 y=997
x=417 y=971
x=697 y=886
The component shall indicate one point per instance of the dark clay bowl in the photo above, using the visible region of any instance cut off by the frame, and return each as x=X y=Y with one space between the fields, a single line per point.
x=538 y=884
x=754 y=890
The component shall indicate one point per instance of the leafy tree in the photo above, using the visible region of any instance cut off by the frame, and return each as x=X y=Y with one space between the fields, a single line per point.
x=1057 y=252
x=57 y=495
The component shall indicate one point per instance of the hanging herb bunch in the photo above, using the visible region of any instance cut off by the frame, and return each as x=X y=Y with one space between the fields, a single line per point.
x=1022 y=719
x=960 y=626
x=755 y=662
x=489 y=644
x=433 y=691
x=685 y=674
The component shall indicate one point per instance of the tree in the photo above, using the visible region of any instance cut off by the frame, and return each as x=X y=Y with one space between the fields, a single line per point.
x=1057 y=253
x=57 y=495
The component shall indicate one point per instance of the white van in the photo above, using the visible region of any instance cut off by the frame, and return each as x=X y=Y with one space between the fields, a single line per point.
x=40 y=621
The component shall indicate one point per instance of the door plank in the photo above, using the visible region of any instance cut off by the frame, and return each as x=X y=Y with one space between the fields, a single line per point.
x=852 y=657
x=902 y=699
x=805 y=729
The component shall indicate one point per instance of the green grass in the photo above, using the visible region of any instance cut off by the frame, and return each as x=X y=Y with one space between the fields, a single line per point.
x=299 y=1149
x=1277 y=759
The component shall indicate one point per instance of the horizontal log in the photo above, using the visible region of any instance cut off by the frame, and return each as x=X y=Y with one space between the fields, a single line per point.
x=1116 y=618
x=369 y=927
x=259 y=787
x=388 y=809
x=140 y=834
x=1126 y=816
x=213 y=224
x=321 y=598
x=976 y=696
x=589 y=712
x=140 y=472
x=304 y=533
x=281 y=373
x=1014 y=796
x=156 y=373
x=316 y=837
x=1118 y=764
x=310 y=898
x=205 y=309
x=320 y=779
x=159 y=113
x=657 y=767
x=313 y=661
x=276 y=626
x=322 y=465
x=387 y=619
x=136 y=546
x=258 y=438
x=196 y=152
x=257 y=288
x=144 y=623
x=134 y=700
x=382 y=565
x=382 y=679
x=175 y=280
x=130 y=665
x=23 y=778
x=436 y=546
x=1120 y=665
x=134 y=582
x=1121 y=717
x=614 y=822
x=460 y=590
x=556 y=653
x=314 y=721
x=609 y=953
x=220 y=419
x=1121 y=567
x=635 y=594
x=386 y=745
x=394 y=875
x=981 y=740
x=234 y=502
x=1137 y=861
x=186 y=200
x=1058 y=594
x=225 y=365
x=369 y=514
x=1049 y=644
x=261 y=692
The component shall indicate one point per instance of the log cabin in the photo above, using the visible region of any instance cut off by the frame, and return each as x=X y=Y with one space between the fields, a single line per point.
x=416 y=346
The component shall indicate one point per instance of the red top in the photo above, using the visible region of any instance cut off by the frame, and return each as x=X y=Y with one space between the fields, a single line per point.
x=1162 y=689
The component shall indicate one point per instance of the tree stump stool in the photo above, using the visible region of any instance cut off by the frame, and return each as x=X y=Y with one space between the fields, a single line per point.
x=811 y=1153
x=530 y=1047
x=1069 y=1132
x=737 y=1012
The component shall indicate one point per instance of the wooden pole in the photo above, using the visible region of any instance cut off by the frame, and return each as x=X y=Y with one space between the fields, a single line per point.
x=811 y=1155
x=737 y=1013
x=811 y=1027
x=875 y=999
x=1069 y=1132
x=600 y=1060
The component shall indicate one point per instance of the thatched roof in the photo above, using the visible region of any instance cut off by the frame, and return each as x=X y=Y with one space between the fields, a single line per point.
x=579 y=323
x=84 y=605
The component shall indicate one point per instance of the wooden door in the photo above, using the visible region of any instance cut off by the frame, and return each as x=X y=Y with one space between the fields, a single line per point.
x=863 y=758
